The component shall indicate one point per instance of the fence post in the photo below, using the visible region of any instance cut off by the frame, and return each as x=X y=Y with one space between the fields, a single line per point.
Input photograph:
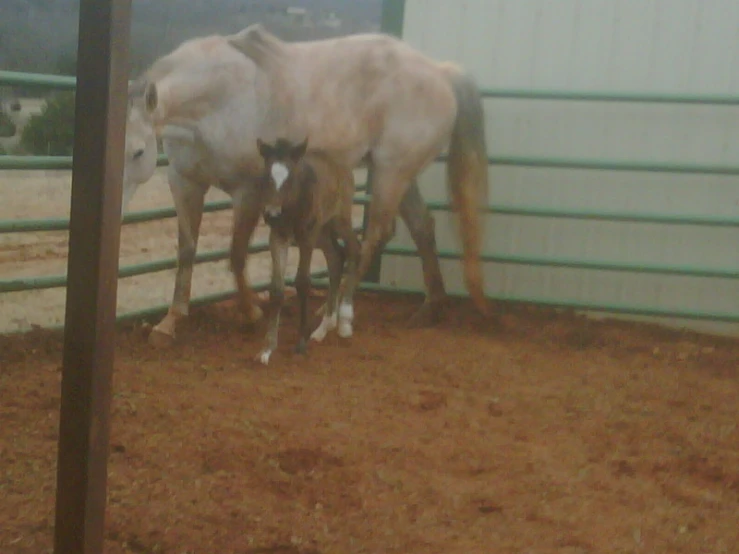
x=94 y=236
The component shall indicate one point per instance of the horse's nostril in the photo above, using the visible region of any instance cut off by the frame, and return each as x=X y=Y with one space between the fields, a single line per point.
x=138 y=154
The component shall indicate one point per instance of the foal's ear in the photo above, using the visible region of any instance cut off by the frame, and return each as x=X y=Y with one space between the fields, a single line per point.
x=265 y=150
x=151 y=97
x=298 y=151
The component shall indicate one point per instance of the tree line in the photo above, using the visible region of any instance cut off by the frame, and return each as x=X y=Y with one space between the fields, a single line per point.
x=157 y=27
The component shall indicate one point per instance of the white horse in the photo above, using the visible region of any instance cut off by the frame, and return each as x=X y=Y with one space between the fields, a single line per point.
x=366 y=99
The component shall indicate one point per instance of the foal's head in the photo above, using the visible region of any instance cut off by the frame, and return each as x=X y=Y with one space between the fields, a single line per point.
x=280 y=160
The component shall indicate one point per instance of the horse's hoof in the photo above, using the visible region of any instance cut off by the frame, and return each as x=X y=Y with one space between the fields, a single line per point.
x=301 y=347
x=160 y=339
x=427 y=315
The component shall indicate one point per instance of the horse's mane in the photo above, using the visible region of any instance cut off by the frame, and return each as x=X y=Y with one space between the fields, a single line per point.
x=260 y=45
x=196 y=56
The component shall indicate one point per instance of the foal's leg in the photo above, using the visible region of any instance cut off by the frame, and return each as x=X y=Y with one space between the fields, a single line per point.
x=246 y=210
x=338 y=252
x=420 y=223
x=335 y=264
x=188 y=199
x=345 y=230
x=302 y=287
x=278 y=249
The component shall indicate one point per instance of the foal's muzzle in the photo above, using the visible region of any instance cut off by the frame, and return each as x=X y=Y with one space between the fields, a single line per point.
x=272 y=215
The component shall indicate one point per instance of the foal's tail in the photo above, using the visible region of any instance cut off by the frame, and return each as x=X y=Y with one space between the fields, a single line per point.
x=467 y=176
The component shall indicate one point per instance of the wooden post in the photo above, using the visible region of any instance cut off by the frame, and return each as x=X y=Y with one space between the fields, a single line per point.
x=92 y=275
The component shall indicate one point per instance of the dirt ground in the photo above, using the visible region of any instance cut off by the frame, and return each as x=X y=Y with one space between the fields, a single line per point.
x=531 y=433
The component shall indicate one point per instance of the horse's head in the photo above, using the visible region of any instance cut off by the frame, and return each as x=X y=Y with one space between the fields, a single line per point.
x=280 y=160
x=141 y=142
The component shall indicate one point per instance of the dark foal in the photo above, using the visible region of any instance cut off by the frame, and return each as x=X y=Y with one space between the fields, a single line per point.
x=308 y=200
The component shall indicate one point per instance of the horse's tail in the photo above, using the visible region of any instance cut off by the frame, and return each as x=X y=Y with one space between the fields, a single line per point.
x=467 y=177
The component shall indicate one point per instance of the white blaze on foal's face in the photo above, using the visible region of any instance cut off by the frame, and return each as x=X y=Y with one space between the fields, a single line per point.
x=280 y=173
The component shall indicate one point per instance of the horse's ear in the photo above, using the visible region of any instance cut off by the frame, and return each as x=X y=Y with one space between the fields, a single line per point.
x=136 y=88
x=265 y=150
x=151 y=97
x=298 y=151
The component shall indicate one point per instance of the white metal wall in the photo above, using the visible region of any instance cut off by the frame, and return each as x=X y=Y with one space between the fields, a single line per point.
x=660 y=46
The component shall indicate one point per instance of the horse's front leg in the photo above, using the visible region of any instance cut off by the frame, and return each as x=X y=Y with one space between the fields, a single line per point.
x=188 y=199
x=278 y=249
x=352 y=247
x=335 y=254
x=302 y=286
x=246 y=210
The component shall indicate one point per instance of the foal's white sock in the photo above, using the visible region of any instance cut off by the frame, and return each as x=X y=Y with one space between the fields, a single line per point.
x=328 y=323
x=264 y=355
x=346 y=318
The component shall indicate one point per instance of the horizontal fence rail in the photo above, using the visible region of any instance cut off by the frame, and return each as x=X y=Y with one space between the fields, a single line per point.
x=688 y=271
x=578 y=305
x=47 y=162
x=18 y=79
x=624 y=97
x=632 y=217
x=36 y=80
x=54 y=281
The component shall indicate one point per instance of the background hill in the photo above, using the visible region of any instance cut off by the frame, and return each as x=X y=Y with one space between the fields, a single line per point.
x=40 y=35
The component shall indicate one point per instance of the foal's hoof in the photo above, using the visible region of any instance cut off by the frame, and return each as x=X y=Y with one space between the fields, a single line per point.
x=263 y=356
x=252 y=314
x=345 y=330
x=426 y=316
x=319 y=334
x=301 y=347
x=160 y=339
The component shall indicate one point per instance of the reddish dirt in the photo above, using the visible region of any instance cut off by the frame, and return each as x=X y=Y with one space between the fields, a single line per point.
x=535 y=433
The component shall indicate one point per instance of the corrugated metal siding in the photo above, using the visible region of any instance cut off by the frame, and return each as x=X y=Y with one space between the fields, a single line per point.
x=661 y=46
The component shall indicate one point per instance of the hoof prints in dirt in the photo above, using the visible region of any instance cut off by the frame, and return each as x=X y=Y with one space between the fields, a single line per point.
x=280 y=550
x=554 y=434
x=302 y=460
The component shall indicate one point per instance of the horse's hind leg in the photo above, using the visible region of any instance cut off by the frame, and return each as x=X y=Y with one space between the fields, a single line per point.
x=335 y=264
x=388 y=189
x=345 y=229
x=188 y=199
x=246 y=209
x=420 y=223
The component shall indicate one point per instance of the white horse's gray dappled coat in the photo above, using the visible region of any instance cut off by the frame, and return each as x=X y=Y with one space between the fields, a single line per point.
x=366 y=99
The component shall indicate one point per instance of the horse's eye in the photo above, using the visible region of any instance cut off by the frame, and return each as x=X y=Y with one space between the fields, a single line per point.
x=138 y=154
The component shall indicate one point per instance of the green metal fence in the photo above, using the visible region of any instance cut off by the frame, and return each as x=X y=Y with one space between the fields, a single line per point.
x=44 y=81
x=37 y=225
x=9 y=162
x=617 y=216
x=393 y=16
